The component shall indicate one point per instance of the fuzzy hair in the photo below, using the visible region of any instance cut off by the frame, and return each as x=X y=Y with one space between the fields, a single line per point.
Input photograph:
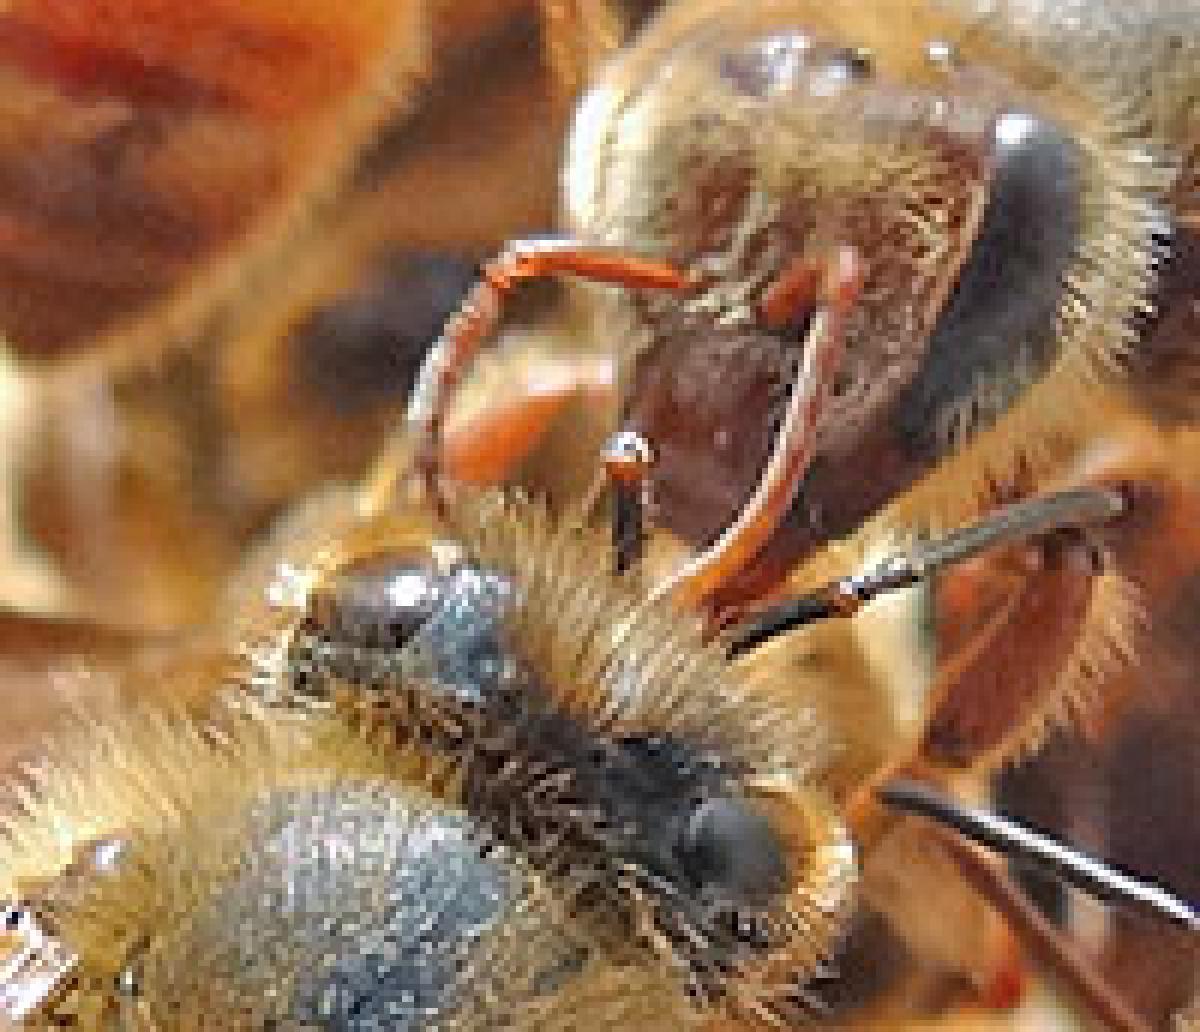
x=612 y=666
x=196 y=809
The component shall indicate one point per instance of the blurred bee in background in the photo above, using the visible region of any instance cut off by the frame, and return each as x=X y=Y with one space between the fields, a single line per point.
x=166 y=426
x=897 y=239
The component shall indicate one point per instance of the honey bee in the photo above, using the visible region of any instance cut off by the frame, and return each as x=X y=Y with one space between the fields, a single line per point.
x=312 y=888
x=667 y=812
x=673 y=806
x=146 y=148
x=932 y=238
x=842 y=247
x=934 y=186
x=634 y=821
x=662 y=796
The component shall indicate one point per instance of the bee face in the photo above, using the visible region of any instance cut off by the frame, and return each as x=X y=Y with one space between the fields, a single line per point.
x=584 y=737
x=980 y=188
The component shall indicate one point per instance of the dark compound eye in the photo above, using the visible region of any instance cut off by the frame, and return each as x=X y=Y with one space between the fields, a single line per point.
x=731 y=850
x=999 y=325
x=430 y=614
x=377 y=603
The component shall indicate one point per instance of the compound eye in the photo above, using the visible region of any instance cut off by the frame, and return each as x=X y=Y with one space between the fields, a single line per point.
x=429 y=610
x=731 y=849
x=1000 y=327
x=379 y=602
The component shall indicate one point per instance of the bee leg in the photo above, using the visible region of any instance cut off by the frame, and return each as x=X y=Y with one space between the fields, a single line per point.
x=1043 y=521
x=452 y=355
x=628 y=459
x=1037 y=933
x=836 y=285
x=961 y=830
x=877 y=809
x=1014 y=840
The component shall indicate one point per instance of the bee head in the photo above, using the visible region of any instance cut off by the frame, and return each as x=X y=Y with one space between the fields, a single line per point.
x=1002 y=204
x=668 y=804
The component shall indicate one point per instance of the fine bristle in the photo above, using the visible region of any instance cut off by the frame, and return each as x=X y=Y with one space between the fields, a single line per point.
x=1044 y=661
x=1142 y=50
x=1019 y=449
x=1105 y=647
x=619 y=664
x=1059 y=644
x=624 y=668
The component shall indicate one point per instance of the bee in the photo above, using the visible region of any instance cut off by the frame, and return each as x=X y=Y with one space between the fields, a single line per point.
x=569 y=701
x=648 y=812
x=819 y=232
x=673 y=811
x=314 y=887
x=662 y=789
x=837 y=246
x=925 y=203
x=147 y=150
x=154 y=450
